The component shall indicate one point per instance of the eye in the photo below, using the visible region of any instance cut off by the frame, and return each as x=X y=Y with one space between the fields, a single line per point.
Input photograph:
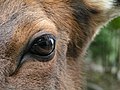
x=43 y=46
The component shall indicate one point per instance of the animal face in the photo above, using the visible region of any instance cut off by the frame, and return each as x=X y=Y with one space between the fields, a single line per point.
x=42 y=42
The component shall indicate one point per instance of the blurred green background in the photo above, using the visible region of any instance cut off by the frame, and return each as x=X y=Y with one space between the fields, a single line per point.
x=103 y=59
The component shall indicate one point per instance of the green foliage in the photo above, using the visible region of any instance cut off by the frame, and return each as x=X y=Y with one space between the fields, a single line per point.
x=106 y=44
x=105 y=52
x=101 y=44
x=114 y=24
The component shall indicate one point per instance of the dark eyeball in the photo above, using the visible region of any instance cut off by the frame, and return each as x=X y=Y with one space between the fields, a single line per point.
x=43 y=46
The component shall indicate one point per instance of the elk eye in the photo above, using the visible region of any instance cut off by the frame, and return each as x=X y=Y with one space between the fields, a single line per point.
x=43 y=46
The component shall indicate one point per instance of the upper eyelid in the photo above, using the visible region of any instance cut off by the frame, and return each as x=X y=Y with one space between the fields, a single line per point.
x=38 y=34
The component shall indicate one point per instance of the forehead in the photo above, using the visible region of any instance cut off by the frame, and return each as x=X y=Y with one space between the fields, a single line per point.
x=28 y=13
x=63 y=14
x=19 y=11
x=34 y=8
x=11 y=9
x=20 y=20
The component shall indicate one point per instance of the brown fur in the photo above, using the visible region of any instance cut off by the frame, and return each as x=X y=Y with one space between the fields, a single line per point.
x=73 y=22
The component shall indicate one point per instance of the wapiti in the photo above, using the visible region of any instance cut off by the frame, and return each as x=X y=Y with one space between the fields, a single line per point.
x=43 y=42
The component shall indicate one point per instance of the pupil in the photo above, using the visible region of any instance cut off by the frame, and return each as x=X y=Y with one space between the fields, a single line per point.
x=44 y=45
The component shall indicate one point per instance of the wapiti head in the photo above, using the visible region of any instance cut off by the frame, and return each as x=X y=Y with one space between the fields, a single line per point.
x=42 y=42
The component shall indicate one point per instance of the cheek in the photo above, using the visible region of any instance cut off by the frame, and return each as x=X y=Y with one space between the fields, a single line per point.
x=61 y=51
x=34 y=65
x=61 y=57
x=33 y=73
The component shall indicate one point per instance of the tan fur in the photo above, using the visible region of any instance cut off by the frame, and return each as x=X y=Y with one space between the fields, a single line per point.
x=74 y=23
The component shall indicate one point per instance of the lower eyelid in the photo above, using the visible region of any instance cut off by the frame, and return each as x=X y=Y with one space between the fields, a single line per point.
x=42 y=58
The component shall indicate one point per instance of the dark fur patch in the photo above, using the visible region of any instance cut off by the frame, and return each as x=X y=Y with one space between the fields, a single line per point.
x=80 y=12
x=80 y=33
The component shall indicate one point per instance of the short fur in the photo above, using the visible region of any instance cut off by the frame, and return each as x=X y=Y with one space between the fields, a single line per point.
x=73 y=22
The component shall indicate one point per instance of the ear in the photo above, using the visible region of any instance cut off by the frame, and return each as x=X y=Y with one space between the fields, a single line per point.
x=111 y=8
